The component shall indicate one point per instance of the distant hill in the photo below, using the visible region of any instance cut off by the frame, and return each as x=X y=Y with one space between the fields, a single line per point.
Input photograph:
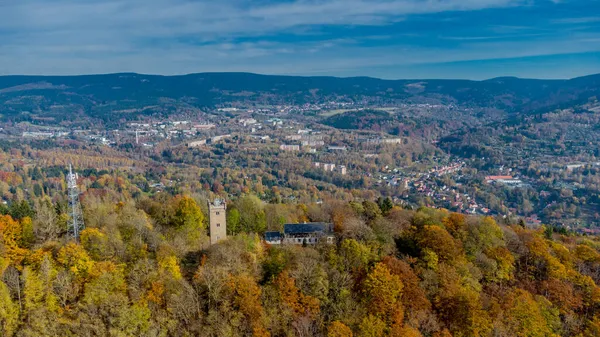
x=102 y=95
x=361 y=120
x=552 y=136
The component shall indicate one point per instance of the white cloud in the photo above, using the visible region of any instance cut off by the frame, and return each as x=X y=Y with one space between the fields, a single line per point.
x=580 y=20
x=183 y=36
x=215 y=18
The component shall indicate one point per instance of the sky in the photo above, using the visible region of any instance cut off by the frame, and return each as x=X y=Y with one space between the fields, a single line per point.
x=392 y=39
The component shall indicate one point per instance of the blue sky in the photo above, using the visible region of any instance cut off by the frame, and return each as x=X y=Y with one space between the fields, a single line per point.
x=474 y=39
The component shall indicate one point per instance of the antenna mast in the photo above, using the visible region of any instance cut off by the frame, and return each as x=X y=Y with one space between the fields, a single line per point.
x=76 y=224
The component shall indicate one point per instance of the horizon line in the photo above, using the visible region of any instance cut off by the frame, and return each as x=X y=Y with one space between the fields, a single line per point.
x=303 y=76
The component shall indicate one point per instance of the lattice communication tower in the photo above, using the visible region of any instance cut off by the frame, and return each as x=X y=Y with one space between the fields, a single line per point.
x=76 y=224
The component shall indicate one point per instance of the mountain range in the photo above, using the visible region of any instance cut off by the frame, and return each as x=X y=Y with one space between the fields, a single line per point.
x=95 y=94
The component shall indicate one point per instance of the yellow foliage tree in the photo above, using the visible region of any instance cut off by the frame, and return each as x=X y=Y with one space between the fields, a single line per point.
x=11 y=237
x=587 y=253
x=9 y=312
x=170 y=265
x=107 y=284
x=95 y=243
x=32 y=290
x=338 y=329
x=383 y=291
x=188 y=215
x=438 y=240
x=76 y=259
x=371 y=326
x=504 y=263
x=525 y=317
x=132 y=321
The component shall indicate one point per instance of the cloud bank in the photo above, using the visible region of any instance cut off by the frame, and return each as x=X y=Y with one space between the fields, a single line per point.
x=337 y=37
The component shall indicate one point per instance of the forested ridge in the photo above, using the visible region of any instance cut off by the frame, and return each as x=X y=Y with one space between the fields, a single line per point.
x=143 y=267
x=105 y=97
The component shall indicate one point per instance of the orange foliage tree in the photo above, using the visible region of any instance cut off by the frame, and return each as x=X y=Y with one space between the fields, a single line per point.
x=11 y=238
x=292 y=296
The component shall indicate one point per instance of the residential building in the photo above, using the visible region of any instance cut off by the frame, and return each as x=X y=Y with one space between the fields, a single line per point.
x=332 y=168
x=574 y=167
x=199 y=127
x=273 y=238
x=197 y=143
x=314 y=143
x=506 y=180
x=248 y=121
x=286 y=147
x=329 y=167
x=302 y=233
x=38 y=135
x=393 y=141
x=219 y=138
x=491 y=179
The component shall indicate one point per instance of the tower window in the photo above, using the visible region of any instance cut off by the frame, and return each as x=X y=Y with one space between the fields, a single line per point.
x=218 y=213
x=218 y=225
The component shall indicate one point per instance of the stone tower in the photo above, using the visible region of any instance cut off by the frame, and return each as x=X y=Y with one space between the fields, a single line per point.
x=217 y=220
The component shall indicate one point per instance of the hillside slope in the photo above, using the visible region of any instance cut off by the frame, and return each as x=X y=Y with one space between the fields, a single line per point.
x=87 y=93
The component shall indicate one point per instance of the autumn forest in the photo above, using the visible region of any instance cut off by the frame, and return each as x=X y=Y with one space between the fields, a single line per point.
x=143 y=267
